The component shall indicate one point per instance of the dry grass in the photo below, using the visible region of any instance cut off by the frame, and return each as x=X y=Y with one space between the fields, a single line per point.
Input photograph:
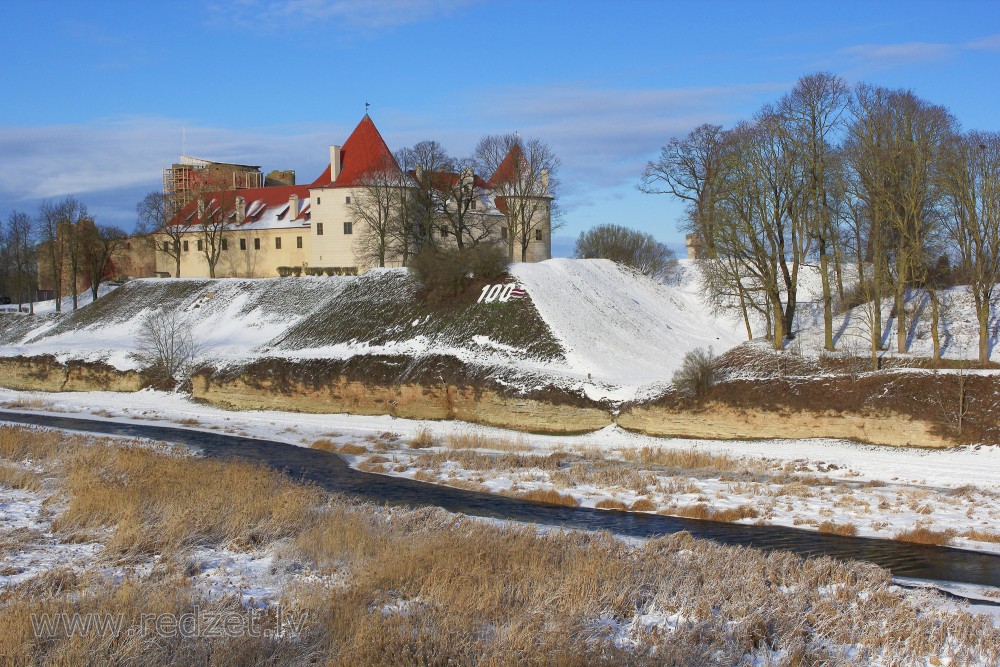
x=924 y=535
x=643 y=505
x=480 y=441
x=17 y=477
x=982 y=535
x=549 y=497
x=834 y=528
x=611 y=504
x=472 y=460
x=690 y=459
x=423 y=439
x=352 y=449
x=704 y=512
x=325 y=445
x=473 y=593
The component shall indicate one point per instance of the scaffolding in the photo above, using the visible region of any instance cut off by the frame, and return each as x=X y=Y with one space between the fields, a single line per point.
x=182 y=179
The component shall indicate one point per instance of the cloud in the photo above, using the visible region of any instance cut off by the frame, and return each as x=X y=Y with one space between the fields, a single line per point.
x=990 y=43
x=350 y=15
x=900 y=54
x=605 y=135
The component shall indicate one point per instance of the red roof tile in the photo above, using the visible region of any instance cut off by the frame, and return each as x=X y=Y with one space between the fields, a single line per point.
x=364 y=152
x=509 y=168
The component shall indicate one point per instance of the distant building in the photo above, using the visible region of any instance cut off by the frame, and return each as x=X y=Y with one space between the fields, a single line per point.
x=317 y=225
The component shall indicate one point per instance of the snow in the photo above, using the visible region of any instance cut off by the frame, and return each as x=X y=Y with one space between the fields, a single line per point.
x=619 y=326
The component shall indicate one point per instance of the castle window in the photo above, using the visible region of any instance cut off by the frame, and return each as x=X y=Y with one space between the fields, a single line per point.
x=185 y=246
x=319 y=227
x=347 y=200
x=277 y=243
x=473 y=204
x=348 y=227
x=444 y=232
x=317 y=201
x=298 y=241
x=225 y=244
x=503 y=233
x=538 y=235
x=256 y=244
x=199 y=245
x=166 y=246
x=243 y=244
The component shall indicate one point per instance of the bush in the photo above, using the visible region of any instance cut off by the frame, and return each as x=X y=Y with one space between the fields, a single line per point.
x=168 y=347
x=297 y=270
x=696 y=376
x=442 y=275
x=284 y=271
x=331 y=270
x=628 y=246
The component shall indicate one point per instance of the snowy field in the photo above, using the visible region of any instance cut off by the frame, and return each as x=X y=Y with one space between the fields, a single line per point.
x=881 y=491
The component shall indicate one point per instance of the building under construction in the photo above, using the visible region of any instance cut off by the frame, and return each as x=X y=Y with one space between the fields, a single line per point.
x=191 y=175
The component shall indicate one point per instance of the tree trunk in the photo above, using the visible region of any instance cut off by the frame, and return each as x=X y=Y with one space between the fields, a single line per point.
x=779 y=326
x=746 y=315
x=178 y=273
x=900 y=303
x=983 y=315
x=824 y=268
x=934 y=324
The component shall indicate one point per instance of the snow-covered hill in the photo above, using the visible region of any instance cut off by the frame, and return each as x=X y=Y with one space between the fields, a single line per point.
x=590 y=325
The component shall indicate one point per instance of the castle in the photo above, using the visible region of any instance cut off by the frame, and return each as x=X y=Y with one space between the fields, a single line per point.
x=361 y=212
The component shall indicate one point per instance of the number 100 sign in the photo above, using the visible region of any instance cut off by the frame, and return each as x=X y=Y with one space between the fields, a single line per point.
x=502 y=292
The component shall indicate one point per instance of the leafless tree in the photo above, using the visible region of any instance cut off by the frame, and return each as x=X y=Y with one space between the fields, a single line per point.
x=101 y=248
x=158 y=223
x=167 y=345
x=690 y=169
x=633 y=248
x=813 y=114
x=895 y=147
x=23 y=257
x=971 y=180
x=524 y=180
x=377 y=207
x=57 y=225
x=419 y=213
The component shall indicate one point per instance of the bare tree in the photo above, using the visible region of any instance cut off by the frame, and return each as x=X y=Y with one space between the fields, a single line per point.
x=524 y=182
x=690 y=169
x=217 y=213
x=158 y=223
x=633 y=248
x=420 y=208
x=813 y=114
x=167 y=345
x=971 y=179
x=102 y=247
x=23 y=257
x=895 y=147
x=378 y=205
x=56 y=223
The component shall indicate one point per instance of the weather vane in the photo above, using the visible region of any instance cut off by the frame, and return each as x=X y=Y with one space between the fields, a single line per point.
x=366 y=107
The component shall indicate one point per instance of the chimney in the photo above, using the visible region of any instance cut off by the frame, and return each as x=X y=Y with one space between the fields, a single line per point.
x=293 y=207
x=241 y=210
x=334 y=163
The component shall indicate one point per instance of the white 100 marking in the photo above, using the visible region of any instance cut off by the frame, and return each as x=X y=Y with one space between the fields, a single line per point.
x=493 y=293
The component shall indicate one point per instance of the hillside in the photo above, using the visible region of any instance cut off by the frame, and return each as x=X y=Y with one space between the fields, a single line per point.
x=589 y=326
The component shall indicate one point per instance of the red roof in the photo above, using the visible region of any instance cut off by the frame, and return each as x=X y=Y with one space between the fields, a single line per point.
x=268 y=197
x=364 y=152
x=509 y=168
x=443 y=181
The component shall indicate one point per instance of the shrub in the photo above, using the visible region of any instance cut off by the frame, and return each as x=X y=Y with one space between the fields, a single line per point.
x=443 y=275
x=611 y=504
x=284 y=271
x=696 y=376
x=423 y=439
x=330 y=271
x=297 y=270
x=833 y=528
x=168 y=347
x=627 y=246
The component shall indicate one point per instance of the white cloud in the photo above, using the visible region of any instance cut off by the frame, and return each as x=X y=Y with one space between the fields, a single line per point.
x=899 y=54
x=351 y=15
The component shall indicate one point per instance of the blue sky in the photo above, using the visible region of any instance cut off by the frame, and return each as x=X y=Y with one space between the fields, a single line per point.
x=98 y=95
